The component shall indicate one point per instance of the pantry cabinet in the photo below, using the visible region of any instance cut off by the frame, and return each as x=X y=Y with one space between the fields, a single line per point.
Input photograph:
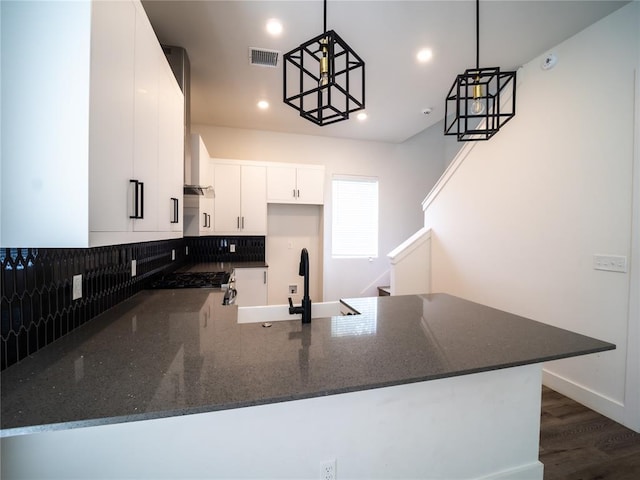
x=105 y=166
x=240 y=197
x=302 y=184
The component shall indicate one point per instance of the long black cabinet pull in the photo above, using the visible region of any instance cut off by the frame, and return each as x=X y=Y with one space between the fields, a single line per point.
x=207 y=220
x=138 y=200
x=175 y=210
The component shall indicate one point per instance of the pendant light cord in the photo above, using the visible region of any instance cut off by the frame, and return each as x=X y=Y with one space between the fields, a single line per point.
x=477 y=33
x=325 y=16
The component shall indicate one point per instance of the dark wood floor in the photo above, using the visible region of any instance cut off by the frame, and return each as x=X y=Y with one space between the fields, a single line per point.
x=577 y=443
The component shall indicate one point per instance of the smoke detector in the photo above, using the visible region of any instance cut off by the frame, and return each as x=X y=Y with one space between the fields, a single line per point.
x=549 y=61
x=263 y=58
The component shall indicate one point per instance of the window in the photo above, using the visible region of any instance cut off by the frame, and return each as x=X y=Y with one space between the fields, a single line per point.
x=354 y=231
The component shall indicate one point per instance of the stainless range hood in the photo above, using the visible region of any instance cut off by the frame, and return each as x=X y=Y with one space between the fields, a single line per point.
x=196 y=189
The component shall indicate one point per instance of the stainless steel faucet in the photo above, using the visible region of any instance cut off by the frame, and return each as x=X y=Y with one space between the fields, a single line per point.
x=305 y=308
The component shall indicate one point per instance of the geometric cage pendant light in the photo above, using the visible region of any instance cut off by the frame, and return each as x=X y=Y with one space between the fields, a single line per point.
x=475 y=108
x=324 y=78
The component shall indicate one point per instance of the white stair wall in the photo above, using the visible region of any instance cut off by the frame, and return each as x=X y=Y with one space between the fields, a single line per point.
x=411 y=265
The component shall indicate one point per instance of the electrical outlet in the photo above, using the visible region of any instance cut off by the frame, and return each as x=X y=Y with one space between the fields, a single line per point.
x=173 y=255
x=293 y=289
x=77 y=287
x=611 y=263
x=232 y=248
x=133 y=268
x=328 y=470
x=186 y=251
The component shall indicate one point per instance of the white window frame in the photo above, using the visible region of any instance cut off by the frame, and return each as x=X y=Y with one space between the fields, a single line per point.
x=351 y=228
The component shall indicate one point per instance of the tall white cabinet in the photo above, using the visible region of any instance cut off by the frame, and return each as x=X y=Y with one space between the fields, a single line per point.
x=241 y=197
x=93 y=133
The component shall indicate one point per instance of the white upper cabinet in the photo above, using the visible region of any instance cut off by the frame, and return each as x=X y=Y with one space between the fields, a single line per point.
x=295 y=184
x=111 y=115
x=240 y=198
x=94 y=140
x=170 y=152
x=146 y=89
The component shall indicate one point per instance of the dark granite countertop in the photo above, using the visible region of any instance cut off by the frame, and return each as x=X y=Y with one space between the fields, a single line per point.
x=176 y=352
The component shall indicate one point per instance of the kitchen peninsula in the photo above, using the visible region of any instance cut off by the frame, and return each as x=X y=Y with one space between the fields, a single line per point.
x=169 y=384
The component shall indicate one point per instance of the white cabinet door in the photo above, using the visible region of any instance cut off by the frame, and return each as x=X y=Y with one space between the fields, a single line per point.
x=147 y=84
x=310 y=185
x=226 y=178
x=198 y=215
x=240 y=199
x=281 y=184
x=295 y=184
x=253 y=200
x=171 y=152
x=111 y=118
x=251 y=284
x=206 y=215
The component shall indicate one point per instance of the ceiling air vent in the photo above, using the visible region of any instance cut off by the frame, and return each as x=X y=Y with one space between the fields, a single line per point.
x=263 y=58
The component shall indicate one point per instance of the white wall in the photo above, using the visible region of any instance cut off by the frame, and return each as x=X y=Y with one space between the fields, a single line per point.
x=290 y=229
x=518 y=223
x=405 y=171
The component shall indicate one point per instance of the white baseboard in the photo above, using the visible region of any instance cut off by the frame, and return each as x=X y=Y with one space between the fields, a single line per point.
x=532 y=471
x=602 y=404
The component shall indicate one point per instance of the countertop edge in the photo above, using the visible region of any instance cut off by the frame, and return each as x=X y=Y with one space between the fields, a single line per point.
x=17 y=431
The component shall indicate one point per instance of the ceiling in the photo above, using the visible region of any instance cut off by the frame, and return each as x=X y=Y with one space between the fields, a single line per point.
x=387 y=35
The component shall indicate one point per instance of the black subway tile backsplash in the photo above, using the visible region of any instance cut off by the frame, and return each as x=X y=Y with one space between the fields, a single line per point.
x=36 y=295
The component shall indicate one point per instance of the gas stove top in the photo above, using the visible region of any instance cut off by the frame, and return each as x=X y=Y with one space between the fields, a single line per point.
x=191 y=280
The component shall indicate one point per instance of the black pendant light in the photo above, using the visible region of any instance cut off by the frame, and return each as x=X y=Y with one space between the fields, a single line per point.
x=475 y=99
x=326 y=78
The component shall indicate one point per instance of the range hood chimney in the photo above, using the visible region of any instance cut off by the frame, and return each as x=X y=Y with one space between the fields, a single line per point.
x=181 y=67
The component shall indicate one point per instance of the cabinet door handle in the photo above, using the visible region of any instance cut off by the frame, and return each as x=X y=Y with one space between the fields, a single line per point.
x=205 y=220
x=265 y=277
x=138 y=199
x=294 y=193
x=208 y=221
x=174 y=201
x=141 y=199
x=243 y=223
x=298 y=192
x=238 y=223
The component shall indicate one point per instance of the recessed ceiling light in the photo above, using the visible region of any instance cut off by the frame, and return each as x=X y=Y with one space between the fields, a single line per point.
x=263 y=104
x=424 y=55
x=362 y=116
x=274 y=27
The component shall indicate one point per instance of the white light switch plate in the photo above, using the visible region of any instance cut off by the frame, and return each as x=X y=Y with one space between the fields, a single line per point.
x=232 y=248
x=173 y=255
x=133 y=268
x=611 y=263
x=77 y=287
